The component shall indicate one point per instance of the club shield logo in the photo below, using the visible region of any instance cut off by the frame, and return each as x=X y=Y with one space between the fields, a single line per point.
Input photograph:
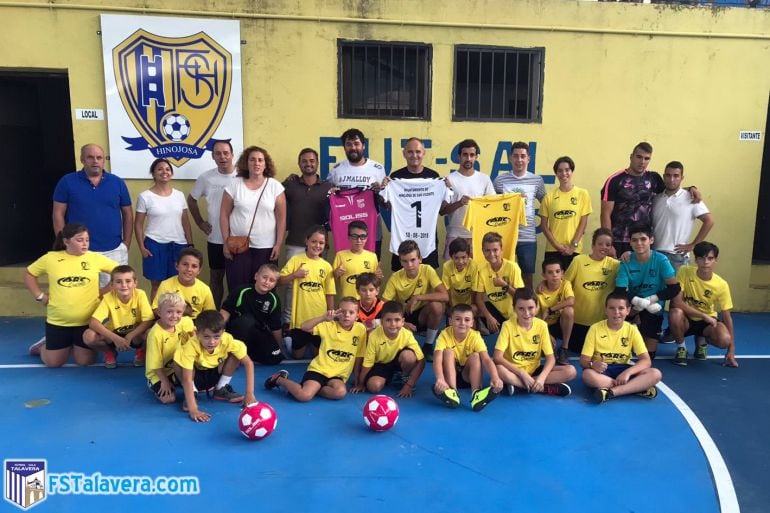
x=25 y=482
x=175 y=91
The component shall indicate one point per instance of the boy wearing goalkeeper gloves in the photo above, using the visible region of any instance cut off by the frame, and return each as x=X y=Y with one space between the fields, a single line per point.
x=649 y=280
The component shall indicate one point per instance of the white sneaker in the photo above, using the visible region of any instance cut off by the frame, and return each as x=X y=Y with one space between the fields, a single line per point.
x=35 y=348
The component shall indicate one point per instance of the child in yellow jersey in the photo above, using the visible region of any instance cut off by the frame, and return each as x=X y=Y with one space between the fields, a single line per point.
x=121 y=320
x=369 y=304
x=343 y=341
x=313 y=290
x=592 y=277
x=196 y=294
x=172 y=330
x=459 y=360
x=73 y=294
x=523 y=340
x=555 y=300
x=495 y=283
x=349 y=263
x=392 y=355
x=207 y=361
x=607 y=352
x=458 y=272
x=419 y=289
x=694 y=310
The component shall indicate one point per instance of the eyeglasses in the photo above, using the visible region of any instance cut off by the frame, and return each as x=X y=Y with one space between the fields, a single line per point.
x=356 y=236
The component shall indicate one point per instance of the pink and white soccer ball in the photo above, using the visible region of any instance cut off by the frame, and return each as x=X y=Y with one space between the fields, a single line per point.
x=257 y=421
x=380 y=413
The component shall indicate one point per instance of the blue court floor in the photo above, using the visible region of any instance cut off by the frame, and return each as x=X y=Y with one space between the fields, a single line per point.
x=700 y=446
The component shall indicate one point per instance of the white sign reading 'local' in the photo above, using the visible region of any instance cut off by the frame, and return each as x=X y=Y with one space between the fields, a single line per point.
x=89 y=114
x=749 y=135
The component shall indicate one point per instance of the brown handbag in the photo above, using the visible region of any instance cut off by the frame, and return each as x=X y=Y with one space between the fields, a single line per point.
x=238 y=244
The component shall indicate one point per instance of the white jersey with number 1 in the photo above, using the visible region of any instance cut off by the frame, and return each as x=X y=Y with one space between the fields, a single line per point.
x=415 y=204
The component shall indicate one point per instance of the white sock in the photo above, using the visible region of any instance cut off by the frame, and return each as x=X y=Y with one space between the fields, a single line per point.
x=430 y=336
x=223 y=380
x=681 y=344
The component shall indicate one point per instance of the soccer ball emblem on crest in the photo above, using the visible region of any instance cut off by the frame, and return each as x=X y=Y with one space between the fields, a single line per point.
x=257 y=421
x=176 y=127
x=380 y=413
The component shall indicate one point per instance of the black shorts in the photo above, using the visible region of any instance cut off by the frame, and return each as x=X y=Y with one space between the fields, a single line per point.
x=216 y=256
x=317 y=377
x=300 y=339
x=386 y=370
x=431 y=260
x=461 y=383
x=565 y=260
x=64 y=337
x=206 y=379
x=260 y=342
x=614 y=370
x=650 y=324
x=696 y=328
x=555 y=331
x=495 y=312
x=578 y=338
x=156 y=387
x=414 y=318
x=136 y=342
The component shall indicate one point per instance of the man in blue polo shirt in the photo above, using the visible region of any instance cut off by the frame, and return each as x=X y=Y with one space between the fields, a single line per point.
x=101 y=202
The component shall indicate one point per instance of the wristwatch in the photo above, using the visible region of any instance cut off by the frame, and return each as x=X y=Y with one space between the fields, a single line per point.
x=574 y=245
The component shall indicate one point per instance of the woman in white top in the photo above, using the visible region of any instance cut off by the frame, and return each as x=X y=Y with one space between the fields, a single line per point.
x=168 y=226
x=256 y=190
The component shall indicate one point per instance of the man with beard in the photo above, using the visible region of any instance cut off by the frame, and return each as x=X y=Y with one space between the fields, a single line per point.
x=357 y=170
x=307 y=206
x=466 y=183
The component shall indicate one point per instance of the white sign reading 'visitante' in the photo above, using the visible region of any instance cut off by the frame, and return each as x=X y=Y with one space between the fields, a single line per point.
x=749 y=135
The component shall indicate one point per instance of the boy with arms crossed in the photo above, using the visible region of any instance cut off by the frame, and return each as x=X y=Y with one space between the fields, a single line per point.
x=343 y=341
x=607 y=351
x=208 y=360
x=555 y=300
x=457 y=363
x=523 y=340
x=392 y=352
x=694 y=310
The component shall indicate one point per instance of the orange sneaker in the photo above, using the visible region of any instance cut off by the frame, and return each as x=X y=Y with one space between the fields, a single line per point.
x=139 y=357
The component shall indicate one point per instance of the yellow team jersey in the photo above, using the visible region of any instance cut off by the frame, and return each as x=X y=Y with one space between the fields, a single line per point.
x=501 y=213
x=564 y=210
x=400 y=287
x=73 y=285
x=197 y=296
x=548 y=298
x=339 y=349
x=613 y=346
x=162 y=345
x=123 y=317
x=592 y=281
x=462 y=349
x=522 y=347
x=500 y=299
x=193 y=355
x=459 y=283
x=354 y=264
x=704 y=295
x=381 y=349
x=308 y=299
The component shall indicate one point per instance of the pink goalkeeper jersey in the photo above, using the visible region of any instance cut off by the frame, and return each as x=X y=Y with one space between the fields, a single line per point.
x=352 y=205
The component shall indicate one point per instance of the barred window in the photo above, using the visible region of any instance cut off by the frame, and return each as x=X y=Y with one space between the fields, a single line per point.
x=384 y=80
x=498 y=84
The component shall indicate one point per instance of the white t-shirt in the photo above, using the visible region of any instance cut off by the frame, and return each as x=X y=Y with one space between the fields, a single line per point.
x=474 y=186
x=415 y=204
x=164 y=216
x=345 y=174
x=673 y=218
x=211 y=184
x=244 y=203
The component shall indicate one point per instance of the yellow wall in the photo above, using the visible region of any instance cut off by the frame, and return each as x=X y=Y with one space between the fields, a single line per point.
x=615 y=74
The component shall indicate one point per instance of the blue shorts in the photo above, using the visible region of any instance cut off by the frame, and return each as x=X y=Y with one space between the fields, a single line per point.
x=614 y=369
x=526 y=253
x=162 y=263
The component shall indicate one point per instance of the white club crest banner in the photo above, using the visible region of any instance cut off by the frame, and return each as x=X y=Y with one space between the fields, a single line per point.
x=173 y=86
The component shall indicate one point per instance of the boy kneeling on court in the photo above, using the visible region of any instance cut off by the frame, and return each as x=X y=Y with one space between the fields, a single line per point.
x=343 y=341
x=607 y=352
x=208 y=361
x=392 y=355
x=458 y=360
x=523 y=339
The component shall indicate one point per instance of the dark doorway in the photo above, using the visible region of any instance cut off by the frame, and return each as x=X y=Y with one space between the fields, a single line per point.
x=36 y=147
x=762 y=227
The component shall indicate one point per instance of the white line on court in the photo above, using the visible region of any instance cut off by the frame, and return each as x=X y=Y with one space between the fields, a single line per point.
x=728 y=500
x=129 y=365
